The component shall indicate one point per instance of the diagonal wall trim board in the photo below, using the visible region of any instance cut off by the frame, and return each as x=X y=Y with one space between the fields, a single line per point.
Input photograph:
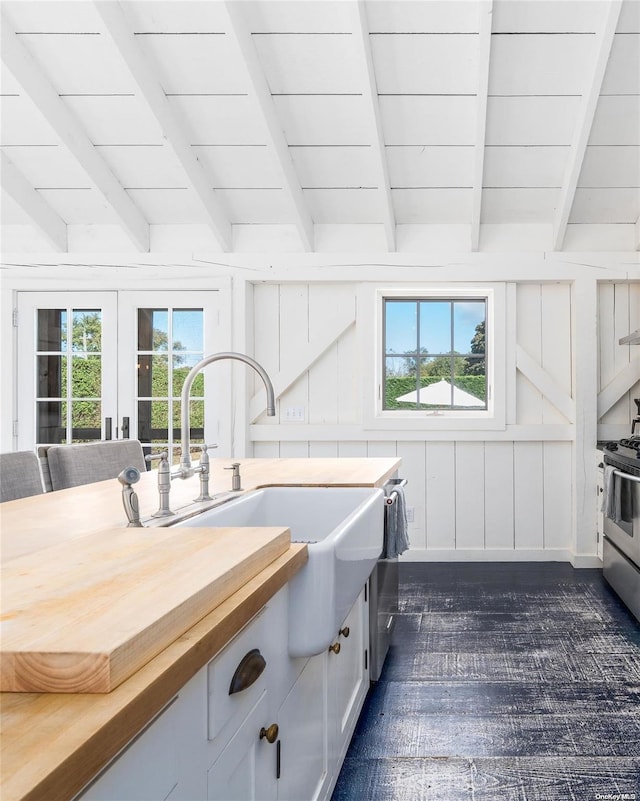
x=604 y=42
x=309 y=354
x=64 y=123
x=32 y=203
x=240 y=34
x=154 y=97
x=616 y=388
x=374 y=122
x=484 y=57
x=543 y=382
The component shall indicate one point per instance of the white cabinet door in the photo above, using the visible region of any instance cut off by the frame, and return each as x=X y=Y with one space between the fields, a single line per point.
x=246 y=769
x=303 y=735
x=147 y=769
x=348 y=679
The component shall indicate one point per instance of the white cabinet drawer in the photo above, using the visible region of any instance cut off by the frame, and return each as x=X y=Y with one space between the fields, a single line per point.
x=226 y=709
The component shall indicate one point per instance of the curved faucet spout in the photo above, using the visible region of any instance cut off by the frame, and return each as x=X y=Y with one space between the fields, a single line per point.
x=185 y=459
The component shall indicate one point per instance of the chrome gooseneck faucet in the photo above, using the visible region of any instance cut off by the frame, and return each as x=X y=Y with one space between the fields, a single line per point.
x=185 y=470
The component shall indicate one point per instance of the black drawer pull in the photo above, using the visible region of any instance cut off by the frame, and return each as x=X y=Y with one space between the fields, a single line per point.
x=250 y=667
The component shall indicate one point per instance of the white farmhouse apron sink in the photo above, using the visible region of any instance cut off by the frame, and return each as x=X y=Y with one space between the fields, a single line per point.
x=343 y=528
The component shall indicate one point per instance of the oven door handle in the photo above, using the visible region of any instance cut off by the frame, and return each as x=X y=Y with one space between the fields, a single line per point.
x=628 y=476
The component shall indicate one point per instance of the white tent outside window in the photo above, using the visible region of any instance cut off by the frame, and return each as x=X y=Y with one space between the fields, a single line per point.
x=439 y=394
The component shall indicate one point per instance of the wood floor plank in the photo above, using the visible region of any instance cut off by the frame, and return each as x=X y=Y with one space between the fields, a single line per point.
x=503 y=683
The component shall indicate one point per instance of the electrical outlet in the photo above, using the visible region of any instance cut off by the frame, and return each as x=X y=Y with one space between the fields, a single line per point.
x=294 y=414
x=411 y=514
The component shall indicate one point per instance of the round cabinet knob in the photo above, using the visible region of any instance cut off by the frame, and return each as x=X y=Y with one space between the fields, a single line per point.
x=335 y=648
x=344 y=631
x=271 y=733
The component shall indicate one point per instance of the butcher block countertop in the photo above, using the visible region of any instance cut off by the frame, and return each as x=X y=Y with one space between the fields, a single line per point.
x=54 y=743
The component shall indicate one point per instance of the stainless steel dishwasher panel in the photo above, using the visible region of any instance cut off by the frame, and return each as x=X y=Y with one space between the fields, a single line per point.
x=383 y=608
x=383 y=596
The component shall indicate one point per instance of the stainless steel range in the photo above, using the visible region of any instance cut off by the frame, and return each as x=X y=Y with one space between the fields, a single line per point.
x=621 y=546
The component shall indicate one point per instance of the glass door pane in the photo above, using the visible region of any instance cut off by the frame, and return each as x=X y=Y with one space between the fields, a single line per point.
x=170 y=333
x=170 y=343
x=70 y=386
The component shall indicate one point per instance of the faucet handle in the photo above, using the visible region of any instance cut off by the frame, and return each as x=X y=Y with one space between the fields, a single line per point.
x=204 y=447
x=163 y=456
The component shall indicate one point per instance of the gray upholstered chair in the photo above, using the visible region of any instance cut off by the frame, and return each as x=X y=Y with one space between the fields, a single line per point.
x=74 y=465
x=19 y=475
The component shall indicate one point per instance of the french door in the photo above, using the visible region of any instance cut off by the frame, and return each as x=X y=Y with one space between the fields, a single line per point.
x=111 y=365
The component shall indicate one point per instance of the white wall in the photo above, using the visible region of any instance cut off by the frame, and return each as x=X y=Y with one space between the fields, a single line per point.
x=485 y=498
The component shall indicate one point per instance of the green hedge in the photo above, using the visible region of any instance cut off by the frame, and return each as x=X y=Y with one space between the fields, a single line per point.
x=86 y=382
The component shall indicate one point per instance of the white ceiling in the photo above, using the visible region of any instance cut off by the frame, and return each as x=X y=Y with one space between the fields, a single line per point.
x=388 y=115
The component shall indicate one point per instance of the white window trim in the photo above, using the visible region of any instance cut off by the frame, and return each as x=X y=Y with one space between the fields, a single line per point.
x=370 y=327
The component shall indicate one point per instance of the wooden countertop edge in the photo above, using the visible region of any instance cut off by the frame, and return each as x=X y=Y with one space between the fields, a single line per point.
x=130 y=707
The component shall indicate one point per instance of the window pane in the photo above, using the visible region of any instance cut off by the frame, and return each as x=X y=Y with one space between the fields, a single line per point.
x=153 y=329
x=401 y=326
x=50 y=422
x=188 y=329
x=181 y=367
x=196 y=420
x=435 y=327
x=86 y=376
x=85 y=420
x=52 y=376
x=153 y=419
x=52 y=329
x=439 y=366
x=469 y=325
x=153 y=376
x=400 y=380
x=472 y=384
x=434 y=393
x=87 y=331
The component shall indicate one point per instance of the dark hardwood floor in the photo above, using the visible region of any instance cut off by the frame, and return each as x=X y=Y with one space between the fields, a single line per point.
x=504 y=682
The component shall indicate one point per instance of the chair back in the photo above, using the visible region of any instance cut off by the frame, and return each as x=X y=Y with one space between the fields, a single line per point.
x=75 y=465
x=19 y=475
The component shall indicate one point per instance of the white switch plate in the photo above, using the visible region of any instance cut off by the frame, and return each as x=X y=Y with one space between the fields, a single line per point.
x=411 y=514
x=294 y=414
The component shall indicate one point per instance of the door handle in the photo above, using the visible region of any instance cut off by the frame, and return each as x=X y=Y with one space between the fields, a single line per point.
x=108 y=428
x=125 y=428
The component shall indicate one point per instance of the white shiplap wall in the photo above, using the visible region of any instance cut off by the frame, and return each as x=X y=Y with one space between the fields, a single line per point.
x=480 y=498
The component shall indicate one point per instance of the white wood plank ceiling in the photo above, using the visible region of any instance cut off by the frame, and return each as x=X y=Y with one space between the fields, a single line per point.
x=298 y=117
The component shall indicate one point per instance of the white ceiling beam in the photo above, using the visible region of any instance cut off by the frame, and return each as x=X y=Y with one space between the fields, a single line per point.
x=29 y=75
x=485 y=15
x=238 y=33
x=153 y=95
x=360 y=27
x=594 y=78
x=45 y=219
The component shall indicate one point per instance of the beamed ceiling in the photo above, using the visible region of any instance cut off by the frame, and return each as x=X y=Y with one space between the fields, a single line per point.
x=303 y=125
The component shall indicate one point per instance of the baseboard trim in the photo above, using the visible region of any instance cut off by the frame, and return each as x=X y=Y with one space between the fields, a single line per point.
x=579 y=560
x=501 y=555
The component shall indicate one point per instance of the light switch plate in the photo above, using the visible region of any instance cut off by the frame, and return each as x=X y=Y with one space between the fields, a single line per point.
x=294 y=414
x=411 y=514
